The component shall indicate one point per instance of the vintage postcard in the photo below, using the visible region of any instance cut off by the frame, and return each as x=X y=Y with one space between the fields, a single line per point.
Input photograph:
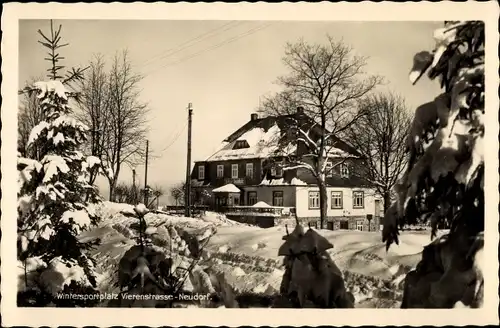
x=301 y=164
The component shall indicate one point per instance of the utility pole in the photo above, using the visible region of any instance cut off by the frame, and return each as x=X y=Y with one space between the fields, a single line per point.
x=134 y=189
x=146 y=175
x=188 y=168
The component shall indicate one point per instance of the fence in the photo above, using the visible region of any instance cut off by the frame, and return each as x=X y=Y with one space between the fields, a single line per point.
x=257 y=211
x=179 y=209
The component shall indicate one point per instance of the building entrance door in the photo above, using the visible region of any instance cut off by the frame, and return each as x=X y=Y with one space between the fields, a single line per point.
x=329 y=225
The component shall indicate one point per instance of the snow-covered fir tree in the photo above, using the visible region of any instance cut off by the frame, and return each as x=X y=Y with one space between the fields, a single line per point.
x=55 y=199
x=444 y=182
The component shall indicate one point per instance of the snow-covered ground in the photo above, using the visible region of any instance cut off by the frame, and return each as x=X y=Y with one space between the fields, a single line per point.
x=247 y=255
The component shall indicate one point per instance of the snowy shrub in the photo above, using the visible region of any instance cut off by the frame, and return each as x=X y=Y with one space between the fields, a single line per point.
x=123 y=230
x=444 y=180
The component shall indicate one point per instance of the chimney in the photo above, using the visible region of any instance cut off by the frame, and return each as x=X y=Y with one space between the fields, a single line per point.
x=254 y=116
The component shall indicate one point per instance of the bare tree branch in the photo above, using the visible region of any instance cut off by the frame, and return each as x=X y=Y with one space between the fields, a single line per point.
x=380 y=136
x=112 y=110
x=29 y=115
x=327 y=82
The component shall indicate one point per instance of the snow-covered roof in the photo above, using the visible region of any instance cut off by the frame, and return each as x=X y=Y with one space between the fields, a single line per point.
x=262 y=137
x=261 y=145
x=261 y=204
x=282 y=182
x=227 y=188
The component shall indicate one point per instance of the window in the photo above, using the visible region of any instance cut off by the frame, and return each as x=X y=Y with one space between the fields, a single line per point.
x=358 y=199
x=249 y=170
x=313 y=199
x=201 y=173
x=359 y=225
x=251 y=198
x=240 y=144
x=220 y=171
x=277 y=198
x=344 y=170
x=336 y=199
x=234 y=171
x=329 y=169
x=276 y=171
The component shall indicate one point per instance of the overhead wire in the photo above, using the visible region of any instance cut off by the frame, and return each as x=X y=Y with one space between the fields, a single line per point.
x=213 y=47
x=188 y=44
x=174 y=140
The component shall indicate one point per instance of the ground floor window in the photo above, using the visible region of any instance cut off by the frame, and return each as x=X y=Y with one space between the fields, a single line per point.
x=277 y=198
x=358 y=199
x=344 y=225
x=251 y=198
x=336 y=199
x=313 y=199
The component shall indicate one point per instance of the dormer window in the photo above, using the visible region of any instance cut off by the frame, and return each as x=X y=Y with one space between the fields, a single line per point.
x=329 y=169
x=344 y=170
x=276 y=171
x=240 y=144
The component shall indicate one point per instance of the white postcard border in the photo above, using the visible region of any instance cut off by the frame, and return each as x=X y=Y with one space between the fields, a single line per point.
x=365 y=11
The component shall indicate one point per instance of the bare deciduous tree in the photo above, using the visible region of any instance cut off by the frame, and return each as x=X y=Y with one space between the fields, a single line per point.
x=127 y=118
x=115 y=115
x=28 y=116
x=126 y=193
x=327 y=81
x=380 y=136
x=94 y=108
x=158 y=191
x=177 y=192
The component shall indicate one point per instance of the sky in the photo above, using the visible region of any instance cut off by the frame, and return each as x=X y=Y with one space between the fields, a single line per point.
x=222 y=68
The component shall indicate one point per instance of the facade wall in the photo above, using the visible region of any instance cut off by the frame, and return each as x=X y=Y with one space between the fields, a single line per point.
x=355 y=177
x=265 y=194
x=334 y=223
x=303 y=210
x=242 y=179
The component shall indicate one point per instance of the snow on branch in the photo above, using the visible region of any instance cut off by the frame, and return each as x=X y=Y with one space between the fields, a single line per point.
x=298 y=165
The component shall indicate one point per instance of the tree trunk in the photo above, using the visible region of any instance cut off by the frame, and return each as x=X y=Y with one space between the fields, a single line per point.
x=323 y=203
x=93 y=175
x=387 y=201
x=112 y=185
